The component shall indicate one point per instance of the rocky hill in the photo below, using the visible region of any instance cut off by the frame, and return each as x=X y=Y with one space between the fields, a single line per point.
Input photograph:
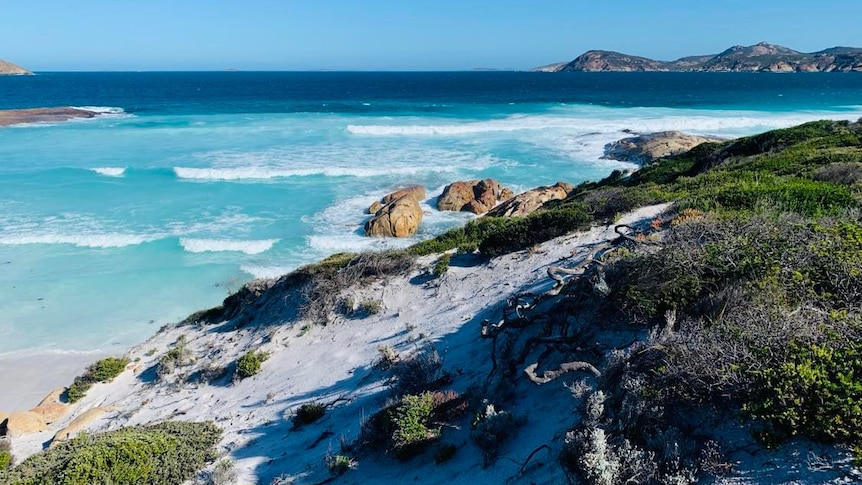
x=9 y=69
x=762 y=57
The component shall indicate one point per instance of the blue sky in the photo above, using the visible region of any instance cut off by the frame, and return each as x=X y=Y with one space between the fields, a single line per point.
x=399 y=35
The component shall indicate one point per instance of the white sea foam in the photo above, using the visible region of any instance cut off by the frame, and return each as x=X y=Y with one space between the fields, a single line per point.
x=102 y=110
x=265 y=173
x=611 y=120
x=79 y=240
x=110 y=171
x=193 y=245
x=266 y=271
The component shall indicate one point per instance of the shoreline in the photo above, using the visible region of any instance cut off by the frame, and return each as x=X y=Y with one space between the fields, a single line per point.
x=29 y=377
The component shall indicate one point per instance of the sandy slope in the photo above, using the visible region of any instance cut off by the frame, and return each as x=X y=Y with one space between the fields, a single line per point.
x=334 y=365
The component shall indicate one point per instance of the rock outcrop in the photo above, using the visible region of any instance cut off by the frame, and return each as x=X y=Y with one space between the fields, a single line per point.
x=398 y=218
x=652 y=146
x=9 y=69
x=528 y=202
x=78 y=424
x=476 y=196
x=20 y=423
x=417 y=192
x=43 y=115
x=52 y=408
x=761 y=57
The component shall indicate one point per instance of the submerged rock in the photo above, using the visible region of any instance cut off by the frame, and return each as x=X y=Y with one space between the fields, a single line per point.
x=528 y=202
x=476 y=196
x=43 y=115
x=399 y=218
x=652 y=146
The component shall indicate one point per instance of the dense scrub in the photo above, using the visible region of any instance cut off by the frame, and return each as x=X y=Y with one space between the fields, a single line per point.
x=752 y=294
x=166 y=453
x=102 y=371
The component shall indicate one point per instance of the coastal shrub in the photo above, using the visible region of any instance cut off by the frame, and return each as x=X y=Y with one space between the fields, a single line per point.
x=339 y=464
x=412 y=426
x=370 y=307
x=178 y=355
x=104 y=370
x=5 y=456
x=507 y=235
x=308 y=413
x=417 y=373
x=251 y=363
x=163 y=454
x=491 y=430
x=442 y=265
x=322 y=292
x=223 y=473
x=816 y=392
x=844 y=173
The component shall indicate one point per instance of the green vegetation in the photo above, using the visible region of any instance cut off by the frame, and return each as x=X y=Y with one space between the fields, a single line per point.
x=442 y=265
x=407 y=426
x=370 y=307
x=178 y=355
x=816 y=392
x=251 y=363
x=308 y=413
x=163 y=454
x=339 y=464
x=103 y=370
x=5 y=456
x=411 y=421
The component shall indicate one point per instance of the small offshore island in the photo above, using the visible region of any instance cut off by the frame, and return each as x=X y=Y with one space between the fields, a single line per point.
x=9 y=69
x=697 y=319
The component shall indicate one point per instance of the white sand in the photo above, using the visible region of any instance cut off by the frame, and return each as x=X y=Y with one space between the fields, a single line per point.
x=26 y=379
x=334 y=364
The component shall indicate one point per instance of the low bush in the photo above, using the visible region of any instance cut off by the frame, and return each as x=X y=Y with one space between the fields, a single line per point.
x=251 y=363
x=442 y=265
x=412 y=427
x=178 y=355
x=308 y=413
x=5 y=456
x=104 y=370
x=370 y=307
x=816 y=392
x=163 y=454
x=491 y=430
x=339 y=464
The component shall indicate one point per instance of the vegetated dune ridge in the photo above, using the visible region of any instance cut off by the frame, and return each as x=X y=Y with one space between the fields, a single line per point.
x=628 y=350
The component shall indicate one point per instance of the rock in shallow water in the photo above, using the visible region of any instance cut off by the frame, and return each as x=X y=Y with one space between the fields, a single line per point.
x=652 y=146
x=399 y=218
x=476 y=196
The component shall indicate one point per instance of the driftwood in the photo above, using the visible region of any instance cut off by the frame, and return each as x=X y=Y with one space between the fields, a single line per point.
x=565 y=367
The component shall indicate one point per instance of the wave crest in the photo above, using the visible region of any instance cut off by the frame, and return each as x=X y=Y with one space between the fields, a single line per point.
x=193 y=245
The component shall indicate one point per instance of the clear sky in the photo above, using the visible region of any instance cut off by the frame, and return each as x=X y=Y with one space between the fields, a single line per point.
x=400 y=34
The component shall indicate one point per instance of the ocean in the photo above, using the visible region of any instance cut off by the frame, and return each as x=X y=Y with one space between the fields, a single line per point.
x=193 y=183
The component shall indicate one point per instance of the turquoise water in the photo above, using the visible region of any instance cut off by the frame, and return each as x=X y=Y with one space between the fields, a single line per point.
x=193 y=183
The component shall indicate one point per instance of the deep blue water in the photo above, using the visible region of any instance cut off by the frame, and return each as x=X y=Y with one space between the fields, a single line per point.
x=196 y=182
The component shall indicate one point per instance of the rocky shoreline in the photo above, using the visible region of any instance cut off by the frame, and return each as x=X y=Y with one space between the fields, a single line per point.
x=11 y=117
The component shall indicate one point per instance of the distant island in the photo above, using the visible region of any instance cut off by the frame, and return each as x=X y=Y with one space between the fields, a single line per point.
x=761 y=57
x=9 y=69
